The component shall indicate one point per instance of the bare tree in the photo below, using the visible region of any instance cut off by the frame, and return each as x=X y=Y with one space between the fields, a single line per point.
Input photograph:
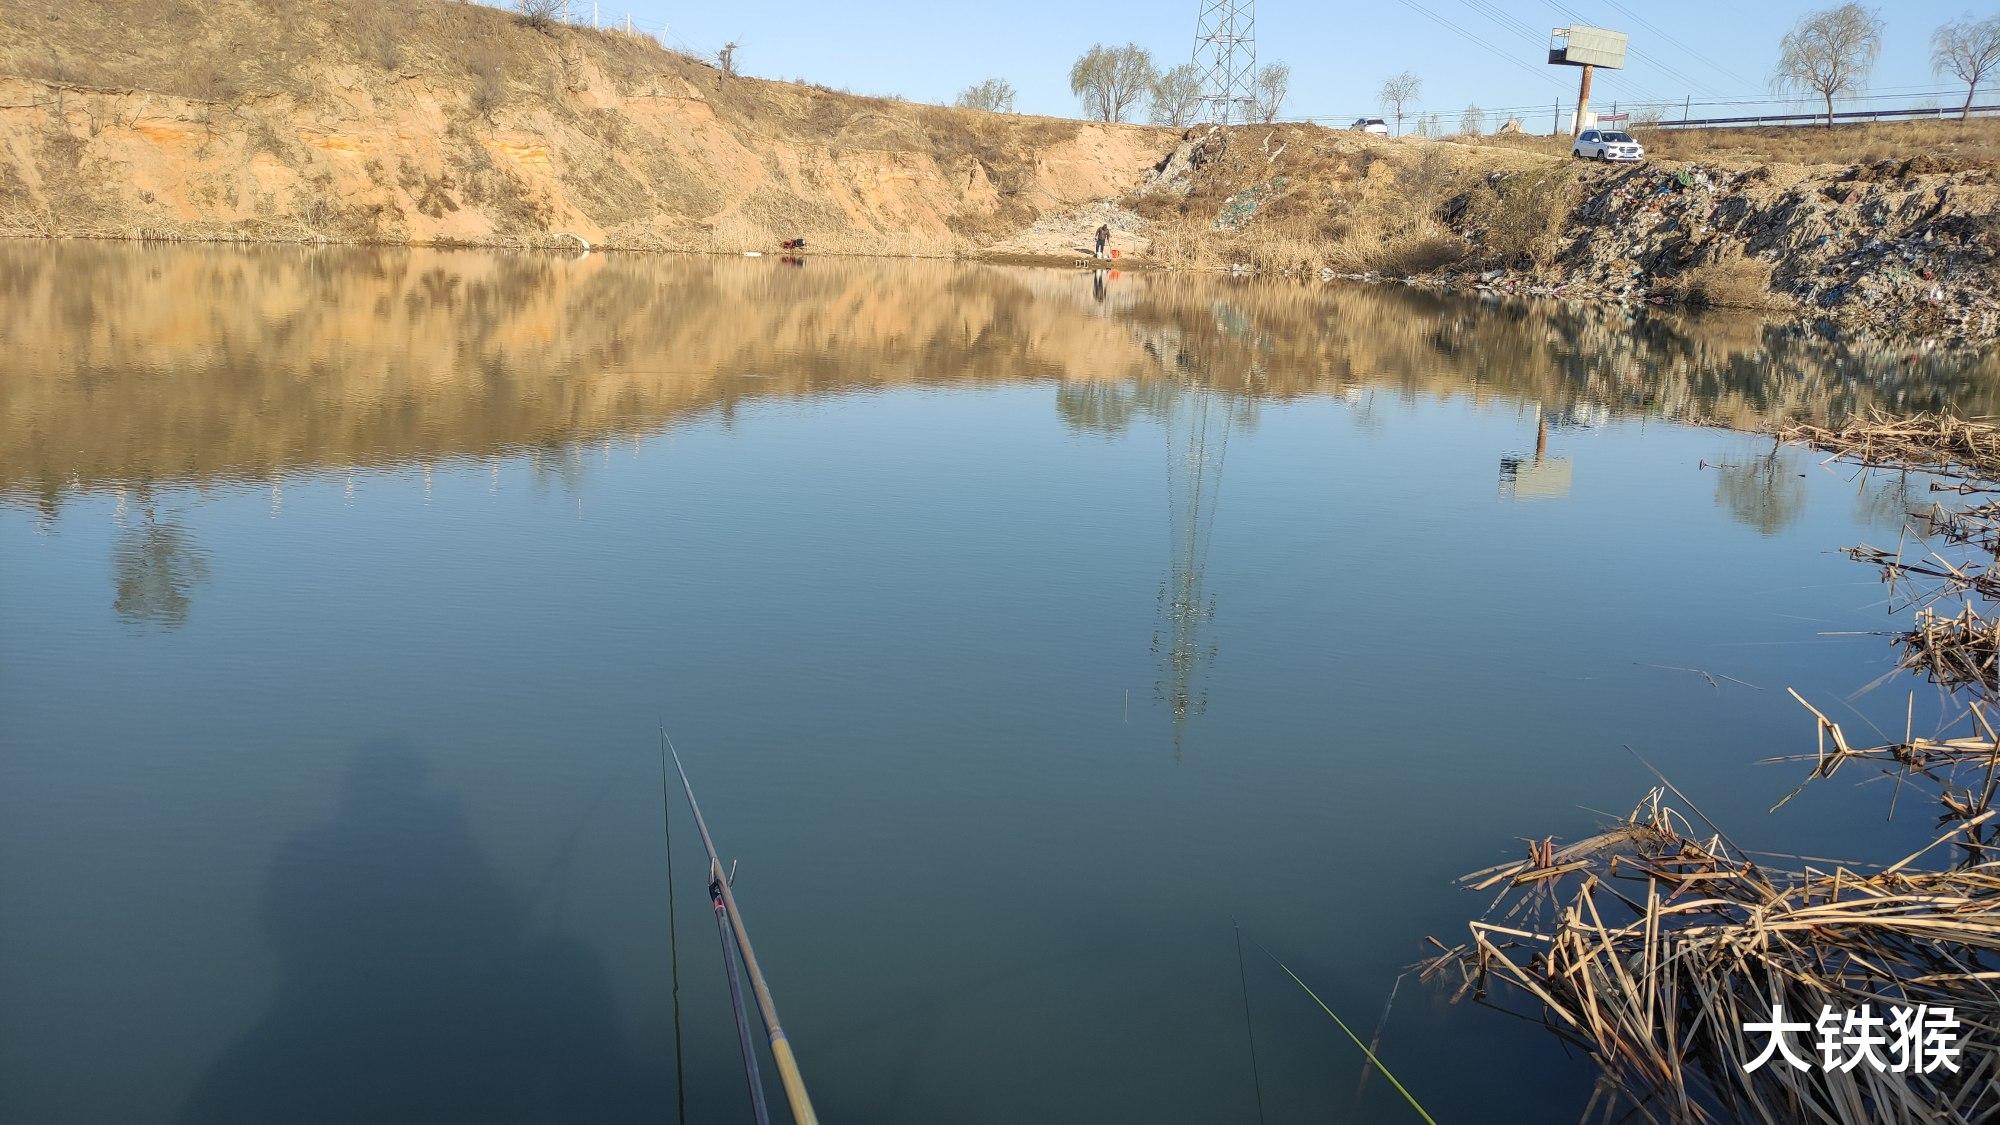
x=727 y=57
x=489 y=87
x=1472 y=122
x=1830 y=53
x=1111 y=80
x=1966 y=48
x=1271 y=85
x=1176 y=99
x=1398 y=94
x=542 y=15
x=995 y=95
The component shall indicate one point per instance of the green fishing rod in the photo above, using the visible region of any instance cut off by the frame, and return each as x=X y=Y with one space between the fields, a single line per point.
x=781 y=1047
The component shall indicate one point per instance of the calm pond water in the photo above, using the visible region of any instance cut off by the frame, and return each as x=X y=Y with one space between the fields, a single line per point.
x=1022 y=631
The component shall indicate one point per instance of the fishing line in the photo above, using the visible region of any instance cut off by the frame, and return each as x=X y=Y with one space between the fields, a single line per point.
x=750 y=1075
x=673 y=934
x=1243 y=978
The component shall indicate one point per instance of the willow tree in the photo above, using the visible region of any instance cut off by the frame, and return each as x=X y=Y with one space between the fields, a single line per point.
x=1966 y=49
x=1176 y=96
x=1111 y=80
x=1830 y=53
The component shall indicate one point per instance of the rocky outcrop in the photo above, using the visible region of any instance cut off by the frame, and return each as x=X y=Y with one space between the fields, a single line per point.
x=1889 y=249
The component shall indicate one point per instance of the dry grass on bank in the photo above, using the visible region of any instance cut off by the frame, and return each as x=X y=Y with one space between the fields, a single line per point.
x=1307 y=197
x=1733 y=282
x=1941 y=146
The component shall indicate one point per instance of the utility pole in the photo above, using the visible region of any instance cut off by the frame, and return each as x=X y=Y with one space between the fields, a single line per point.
x=1225 y=48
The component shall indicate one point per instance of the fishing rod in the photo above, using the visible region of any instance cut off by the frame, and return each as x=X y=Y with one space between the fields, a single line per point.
x=760 y=1112
x=725 y=900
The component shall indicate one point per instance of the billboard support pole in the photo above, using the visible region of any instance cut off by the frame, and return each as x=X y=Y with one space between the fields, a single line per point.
x=1582 y=101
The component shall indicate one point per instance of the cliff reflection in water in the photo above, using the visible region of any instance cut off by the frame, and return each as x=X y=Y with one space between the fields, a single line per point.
x=141 y=365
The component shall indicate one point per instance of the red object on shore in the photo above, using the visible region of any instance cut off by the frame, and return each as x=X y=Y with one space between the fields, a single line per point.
x=1114 y=253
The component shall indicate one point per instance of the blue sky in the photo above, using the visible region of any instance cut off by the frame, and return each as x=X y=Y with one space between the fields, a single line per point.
x=1339 y=53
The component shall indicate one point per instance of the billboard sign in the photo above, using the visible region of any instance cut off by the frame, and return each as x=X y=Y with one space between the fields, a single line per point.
x=1587 y=46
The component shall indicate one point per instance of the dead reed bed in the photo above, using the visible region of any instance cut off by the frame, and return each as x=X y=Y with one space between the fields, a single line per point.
x=1650 y=946
x=1936 y=443
x=1659 y=949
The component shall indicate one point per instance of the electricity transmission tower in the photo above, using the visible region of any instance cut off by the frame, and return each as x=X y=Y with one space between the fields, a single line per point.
x=1199 y=418
x=1225 y=48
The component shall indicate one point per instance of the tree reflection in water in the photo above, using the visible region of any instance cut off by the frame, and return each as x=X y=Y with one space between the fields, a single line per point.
x=1890 y=502
x=158 y=565
x=1767 y=493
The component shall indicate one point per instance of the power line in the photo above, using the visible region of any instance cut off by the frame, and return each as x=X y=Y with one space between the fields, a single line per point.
x=1434 y=17
x=1501 y=17
x=1672 y=103
x=1644 y=56
x=1508 y=22
x=1495 y=13
x=1619 y=79
x=1664 y=34
x=1635 y=52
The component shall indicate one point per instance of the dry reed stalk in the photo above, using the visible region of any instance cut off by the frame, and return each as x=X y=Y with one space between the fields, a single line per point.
x=1957 y=650
x=1963 y=771
x=1658 y=983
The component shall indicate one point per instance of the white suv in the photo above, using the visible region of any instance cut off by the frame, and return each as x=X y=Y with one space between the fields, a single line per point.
x=1606 y=144
x=1371 y=125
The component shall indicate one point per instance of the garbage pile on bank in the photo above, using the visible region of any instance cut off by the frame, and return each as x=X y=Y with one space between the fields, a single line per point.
x=1887 y=249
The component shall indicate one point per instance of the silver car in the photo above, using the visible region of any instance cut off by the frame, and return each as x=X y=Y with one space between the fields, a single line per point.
x=1607 y=144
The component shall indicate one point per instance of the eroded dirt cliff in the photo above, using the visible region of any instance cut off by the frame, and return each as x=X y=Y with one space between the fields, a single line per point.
x=439 y=122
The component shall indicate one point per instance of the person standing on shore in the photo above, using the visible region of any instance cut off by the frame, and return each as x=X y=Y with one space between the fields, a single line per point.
x=1103 y=238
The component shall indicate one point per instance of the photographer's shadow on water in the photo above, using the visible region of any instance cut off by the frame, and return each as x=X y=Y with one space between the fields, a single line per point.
x=413 y=986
